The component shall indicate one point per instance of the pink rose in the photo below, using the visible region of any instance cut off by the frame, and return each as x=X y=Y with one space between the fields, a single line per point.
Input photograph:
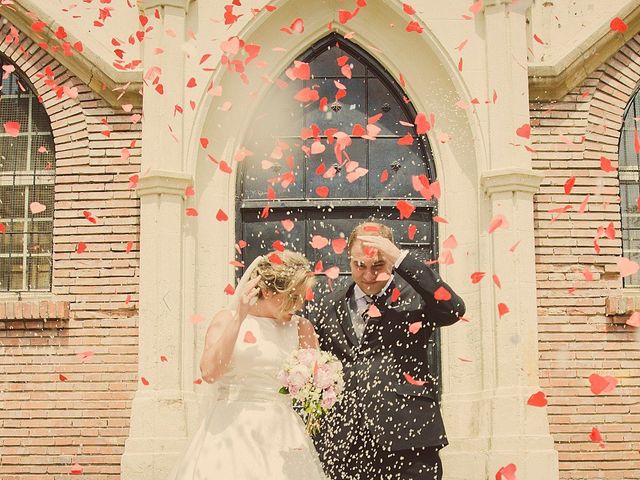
x=298 y=376
x=294 y=390
x=323 y=378
x=328 y=398
x=307 y=357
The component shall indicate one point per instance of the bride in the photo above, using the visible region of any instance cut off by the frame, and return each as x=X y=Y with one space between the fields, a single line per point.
x=251 y=431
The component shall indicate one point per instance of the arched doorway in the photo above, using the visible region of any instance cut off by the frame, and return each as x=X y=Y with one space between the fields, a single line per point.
x=294 y=186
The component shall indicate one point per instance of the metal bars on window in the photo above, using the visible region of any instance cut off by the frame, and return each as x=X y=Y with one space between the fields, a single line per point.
x=27 y=174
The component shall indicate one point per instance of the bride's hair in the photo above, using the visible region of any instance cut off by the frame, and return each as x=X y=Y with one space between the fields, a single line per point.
x=288 y=273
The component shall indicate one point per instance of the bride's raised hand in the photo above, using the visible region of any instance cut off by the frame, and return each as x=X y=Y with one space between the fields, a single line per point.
x=249 y=298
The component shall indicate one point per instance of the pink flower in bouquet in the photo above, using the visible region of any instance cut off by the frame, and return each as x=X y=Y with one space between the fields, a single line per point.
x=329 y=398
x=324 y=378
x=308 y=357
x=298 y=376
x=334 y=368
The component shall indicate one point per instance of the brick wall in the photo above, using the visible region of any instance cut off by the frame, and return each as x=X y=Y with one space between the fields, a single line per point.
x=47 y=424
x=579 y=335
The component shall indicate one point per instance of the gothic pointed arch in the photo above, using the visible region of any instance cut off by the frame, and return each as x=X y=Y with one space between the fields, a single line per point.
x=297 y=184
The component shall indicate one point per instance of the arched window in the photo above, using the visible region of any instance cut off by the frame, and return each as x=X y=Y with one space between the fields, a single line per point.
x=629 y=172
x=321 y=193
x=27 y=173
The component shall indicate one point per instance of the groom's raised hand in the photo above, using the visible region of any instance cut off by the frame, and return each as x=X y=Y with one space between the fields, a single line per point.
x=374 y=244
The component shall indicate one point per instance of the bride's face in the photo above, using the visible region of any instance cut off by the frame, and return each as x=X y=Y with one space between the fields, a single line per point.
x=272 y=303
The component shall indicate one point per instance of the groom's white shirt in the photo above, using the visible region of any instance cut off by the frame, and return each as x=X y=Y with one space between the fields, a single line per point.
x=362 y=299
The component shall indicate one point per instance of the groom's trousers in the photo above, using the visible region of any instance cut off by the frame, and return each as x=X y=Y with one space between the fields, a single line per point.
x=367 y=461
x=418 y=464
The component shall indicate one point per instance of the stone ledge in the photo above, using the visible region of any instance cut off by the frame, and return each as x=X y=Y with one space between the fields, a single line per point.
x=11 y=311
x=554 y=81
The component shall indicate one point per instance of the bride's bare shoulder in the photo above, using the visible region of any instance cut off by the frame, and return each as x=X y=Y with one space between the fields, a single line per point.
x=221 y=317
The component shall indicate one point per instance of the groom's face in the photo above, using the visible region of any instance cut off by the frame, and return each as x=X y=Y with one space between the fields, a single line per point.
x=370 y=272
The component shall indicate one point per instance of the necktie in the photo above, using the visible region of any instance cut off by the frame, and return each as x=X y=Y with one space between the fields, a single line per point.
x=365 y=312
x=378 y=301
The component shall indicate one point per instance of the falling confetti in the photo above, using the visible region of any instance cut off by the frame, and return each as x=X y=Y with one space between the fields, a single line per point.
x=12 y=128
x=538 y=399
x=601 y=384
x=596 y=437
x=618 y=25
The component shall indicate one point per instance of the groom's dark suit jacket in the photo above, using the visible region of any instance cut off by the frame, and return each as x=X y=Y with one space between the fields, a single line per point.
x=378 y=399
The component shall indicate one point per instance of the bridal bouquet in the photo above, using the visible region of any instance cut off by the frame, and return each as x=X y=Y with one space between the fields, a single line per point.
x=314 y=380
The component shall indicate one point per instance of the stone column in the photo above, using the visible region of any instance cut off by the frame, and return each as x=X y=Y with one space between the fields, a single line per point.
x=158 y=422
x=517 y=433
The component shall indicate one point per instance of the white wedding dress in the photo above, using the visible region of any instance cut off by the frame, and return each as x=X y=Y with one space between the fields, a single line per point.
x=251 y=431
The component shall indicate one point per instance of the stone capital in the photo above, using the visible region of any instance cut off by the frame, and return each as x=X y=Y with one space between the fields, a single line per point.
x=511 y=180
x=163 y=182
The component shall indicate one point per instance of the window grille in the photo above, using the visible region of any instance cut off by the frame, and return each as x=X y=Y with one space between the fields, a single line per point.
x=27 y=174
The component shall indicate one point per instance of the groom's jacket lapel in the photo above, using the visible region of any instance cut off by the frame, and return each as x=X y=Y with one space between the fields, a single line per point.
x=333 y=324
x=344 y=317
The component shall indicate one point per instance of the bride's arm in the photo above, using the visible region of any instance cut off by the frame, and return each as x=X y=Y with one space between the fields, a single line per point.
x=223 y=333
x=307 y=337
x=219 y=344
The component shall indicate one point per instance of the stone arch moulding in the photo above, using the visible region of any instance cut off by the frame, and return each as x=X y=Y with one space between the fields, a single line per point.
x=367 y=29
x=30 y=60
x=89 y=65
x=224 y=129
x=432 y=83
x=603 y=92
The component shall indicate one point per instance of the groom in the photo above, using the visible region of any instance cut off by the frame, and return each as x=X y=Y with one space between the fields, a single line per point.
x=388 y=424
